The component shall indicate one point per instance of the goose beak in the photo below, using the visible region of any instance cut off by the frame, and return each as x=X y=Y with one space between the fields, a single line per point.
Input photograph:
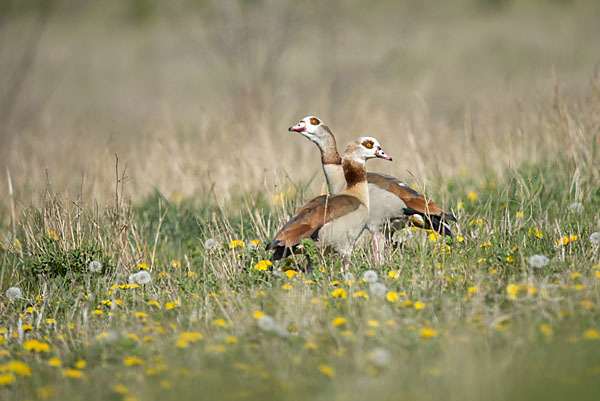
x=382 y=155
x=300 y=127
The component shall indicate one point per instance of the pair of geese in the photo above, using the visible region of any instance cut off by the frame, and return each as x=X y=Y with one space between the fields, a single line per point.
x=356 y=200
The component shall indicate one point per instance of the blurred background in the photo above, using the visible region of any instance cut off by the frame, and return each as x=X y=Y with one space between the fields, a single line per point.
x=197 y=95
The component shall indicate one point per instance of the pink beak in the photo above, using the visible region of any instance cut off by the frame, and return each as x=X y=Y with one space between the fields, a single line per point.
x=300 y=127
x=382 y=155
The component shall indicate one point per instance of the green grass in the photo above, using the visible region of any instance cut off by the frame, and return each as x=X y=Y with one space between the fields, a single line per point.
x=453 y=332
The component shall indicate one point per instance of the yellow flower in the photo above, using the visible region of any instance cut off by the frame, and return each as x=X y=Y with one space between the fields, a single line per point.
x=257 y=314
x=132 y=361
x=327 y=370
x=291 y=273
x=427 y=332
x=156 y=304
x=591 y=334
x=256 y=242
x=546 y=330
x=80 y=364
x=394 y=274
x=50 y=321
x=585 y=304
x=512 y=291
x=563 y=241
x=373 y=323
x=535 y=232
x=360 y=294
x=575 y=275
x=171 y=305
x=419 y=305
x=573 y=237
x=236 y=243
x=460 y=206
x=473 y=290
x=338 y=321
x=17 y=367
x=479 y=222
x=310 y=346
x=339 y=293
x=286 y=287
x=54 y=362
x=433 y=236
x=510 y=259
x=142 y=266
x=175 y=264
x=481 y=260
x=519 y=215
x=6 y=379
x=120 y=389
x=102 y=335
x=263 y=265
x=392 y=296
x=231 y=340
x=35 y=345
x=72 y=373
x=472 y=196
x=220 y=322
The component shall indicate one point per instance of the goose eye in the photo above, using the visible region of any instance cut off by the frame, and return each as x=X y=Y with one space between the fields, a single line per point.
x=368 y=144
x=315 y=121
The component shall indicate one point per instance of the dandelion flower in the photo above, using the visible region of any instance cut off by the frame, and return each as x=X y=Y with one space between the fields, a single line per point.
x=339 y=293
x=591 y=334
x=13 y=293
x=262 y=265
x=428 y=332
x=338 y=321
x=378 y=289
x=595 y=238
x=370 y=276
x=538 y=261
x=95 y=266
x=237 y=243
x=211 y=244
x=327 y=370
x=6 y=379
x=254 y=244
x=576 y=207
x=380 y=357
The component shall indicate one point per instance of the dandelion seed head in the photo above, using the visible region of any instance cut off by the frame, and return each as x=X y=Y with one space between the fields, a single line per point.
x=370 y=276
x=13 y=293
x=142 y=277
x=378 y=289
x=95 y=266
x=538 y=261
x=266 y=323
x=576 y=207
x=211 y=244
x=595 y=238
x=381 y=357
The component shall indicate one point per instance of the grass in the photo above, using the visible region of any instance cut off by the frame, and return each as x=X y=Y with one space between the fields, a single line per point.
x=466 y=319
x=489 y=107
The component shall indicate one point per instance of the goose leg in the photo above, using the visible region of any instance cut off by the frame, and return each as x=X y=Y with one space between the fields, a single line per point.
x=377 y=249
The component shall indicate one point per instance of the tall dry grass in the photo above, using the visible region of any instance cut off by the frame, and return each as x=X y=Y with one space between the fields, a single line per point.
x=196 y=98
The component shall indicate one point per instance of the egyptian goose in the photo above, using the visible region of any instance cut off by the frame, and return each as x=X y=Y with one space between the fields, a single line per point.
x=390 y=198
x=334 y=220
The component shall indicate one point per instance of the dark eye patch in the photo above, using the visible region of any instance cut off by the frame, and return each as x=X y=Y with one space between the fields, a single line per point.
x=368 y=144
x=315 y=121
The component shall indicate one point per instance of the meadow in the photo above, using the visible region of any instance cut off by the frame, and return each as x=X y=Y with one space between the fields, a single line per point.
x=146 y=163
